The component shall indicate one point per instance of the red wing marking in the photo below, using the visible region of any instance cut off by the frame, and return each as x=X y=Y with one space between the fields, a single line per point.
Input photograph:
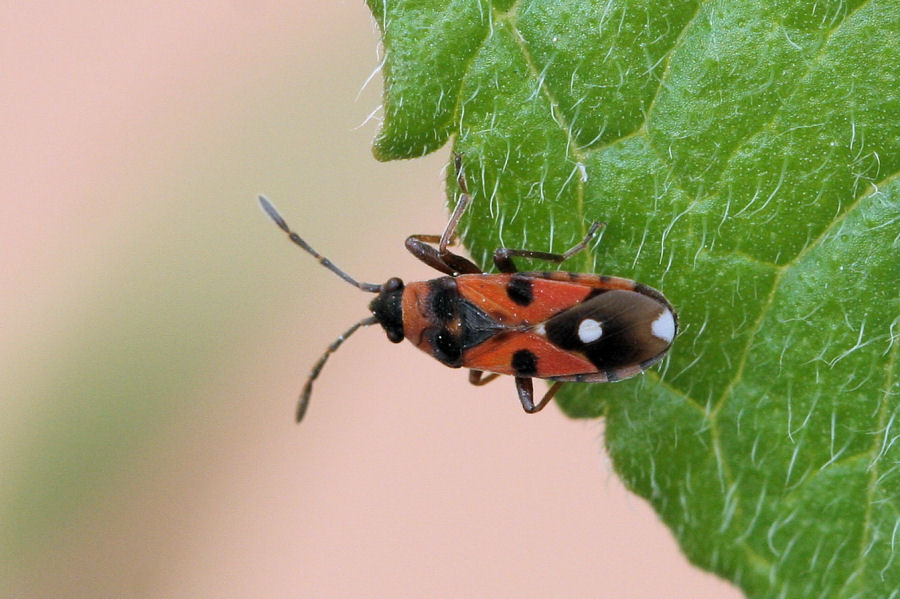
x=496 y=355
x=549 y=297
x=588 y=280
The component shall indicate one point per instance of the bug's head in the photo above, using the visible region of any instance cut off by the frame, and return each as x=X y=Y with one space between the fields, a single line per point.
x=387 y=308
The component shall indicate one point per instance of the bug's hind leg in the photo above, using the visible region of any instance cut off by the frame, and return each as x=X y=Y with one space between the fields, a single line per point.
x=503 y=256
x=475 y=377
x=526 y=394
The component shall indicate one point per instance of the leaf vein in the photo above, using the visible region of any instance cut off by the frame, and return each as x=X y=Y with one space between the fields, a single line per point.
x=797 y=81
x=876 y=451
x=668 y=60
x=556 y=114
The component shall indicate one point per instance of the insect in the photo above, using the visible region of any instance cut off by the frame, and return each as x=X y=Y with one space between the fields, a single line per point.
x=559 y=326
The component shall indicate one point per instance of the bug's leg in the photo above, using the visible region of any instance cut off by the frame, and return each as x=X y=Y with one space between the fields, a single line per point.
x=448 y=263
x=475 y=377
x=441 y=258
x=526 y=394
x=503 y=256
x=450 y=230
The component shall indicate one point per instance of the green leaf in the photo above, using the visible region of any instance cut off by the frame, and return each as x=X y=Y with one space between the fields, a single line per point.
x=745 y=158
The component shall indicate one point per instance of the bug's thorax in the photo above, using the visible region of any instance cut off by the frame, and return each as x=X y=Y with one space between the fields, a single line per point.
x=441 y=322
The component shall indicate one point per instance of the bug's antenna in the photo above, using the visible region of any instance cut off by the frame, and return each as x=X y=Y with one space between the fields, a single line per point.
x=314 y=373
x=273 y=214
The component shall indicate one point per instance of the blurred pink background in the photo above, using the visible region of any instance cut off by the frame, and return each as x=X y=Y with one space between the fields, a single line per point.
x=157 y=328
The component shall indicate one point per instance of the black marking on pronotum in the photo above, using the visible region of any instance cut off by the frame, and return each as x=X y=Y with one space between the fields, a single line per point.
x=447 y=348
x=520 y=290
x=524 y=362
x=444 y=296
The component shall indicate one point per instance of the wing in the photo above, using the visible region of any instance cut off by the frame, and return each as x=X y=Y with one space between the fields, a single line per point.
x=610 y=335
x=529 y=298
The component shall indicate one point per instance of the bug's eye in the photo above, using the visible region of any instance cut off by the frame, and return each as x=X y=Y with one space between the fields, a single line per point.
x=392 y=284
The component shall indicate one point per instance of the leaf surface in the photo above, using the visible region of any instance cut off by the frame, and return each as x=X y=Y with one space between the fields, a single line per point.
x=745 y=160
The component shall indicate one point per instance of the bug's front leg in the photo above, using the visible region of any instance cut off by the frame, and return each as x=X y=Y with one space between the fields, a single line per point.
x=526 y=394
x=450 y=230
x=446 y=262
x=503 y=256
x=441 y=258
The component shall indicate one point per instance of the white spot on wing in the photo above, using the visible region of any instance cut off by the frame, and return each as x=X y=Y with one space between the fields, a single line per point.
x=589 y=330
x=664 y=326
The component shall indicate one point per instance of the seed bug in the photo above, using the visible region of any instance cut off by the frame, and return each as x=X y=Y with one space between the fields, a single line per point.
x=553 y=325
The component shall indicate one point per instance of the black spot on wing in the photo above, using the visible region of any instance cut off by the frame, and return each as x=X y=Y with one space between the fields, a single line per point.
x=524 y=362
x=562 y=329
x=520 y=290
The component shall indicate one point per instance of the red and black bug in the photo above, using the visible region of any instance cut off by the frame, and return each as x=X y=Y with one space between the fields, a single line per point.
x=559 y=326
